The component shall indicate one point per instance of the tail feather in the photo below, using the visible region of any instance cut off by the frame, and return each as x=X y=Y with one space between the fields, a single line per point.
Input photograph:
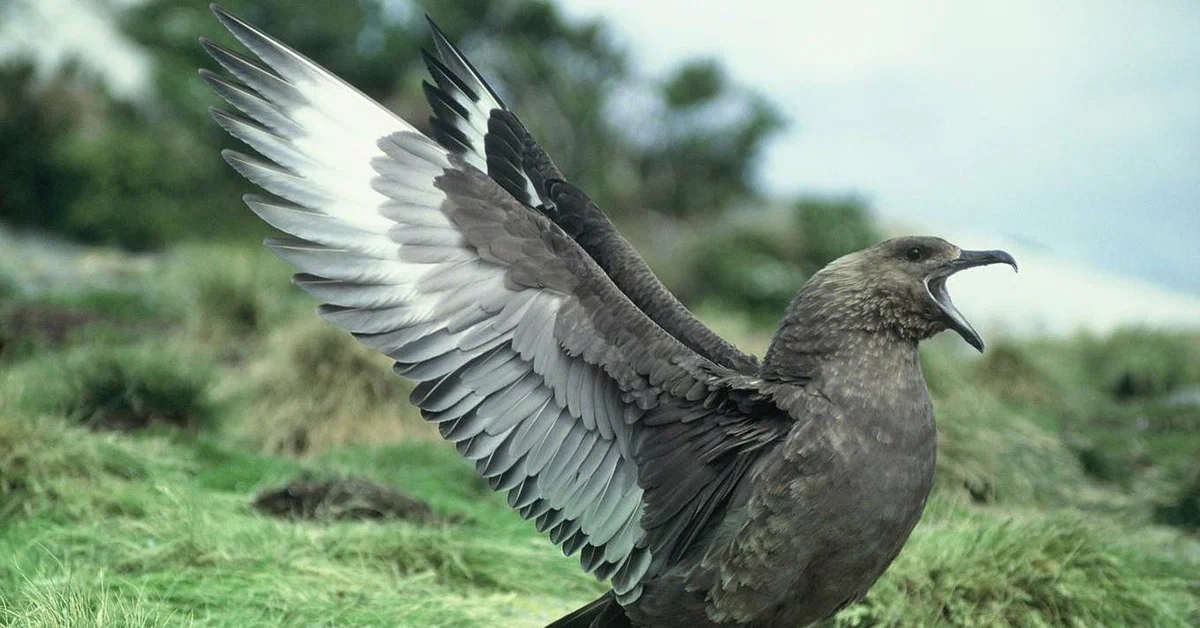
x=605 y=612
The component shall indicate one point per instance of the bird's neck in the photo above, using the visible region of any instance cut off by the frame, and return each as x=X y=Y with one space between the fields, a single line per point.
x=834 y=333
x=873 y=379
x=803 y=352
x=828 y=346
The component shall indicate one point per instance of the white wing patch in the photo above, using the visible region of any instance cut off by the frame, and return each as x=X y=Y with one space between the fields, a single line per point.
x=372 y=240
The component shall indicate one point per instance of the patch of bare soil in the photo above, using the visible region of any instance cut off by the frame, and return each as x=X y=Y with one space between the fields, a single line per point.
x=41 y=325
x=340 y=499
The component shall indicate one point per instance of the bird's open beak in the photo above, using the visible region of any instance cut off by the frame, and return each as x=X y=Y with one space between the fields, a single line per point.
x=935 y=284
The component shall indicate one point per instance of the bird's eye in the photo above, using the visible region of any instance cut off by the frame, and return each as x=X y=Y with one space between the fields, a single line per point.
x=914 y=254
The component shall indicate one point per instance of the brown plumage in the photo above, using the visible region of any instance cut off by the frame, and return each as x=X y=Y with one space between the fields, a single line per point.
x=709 y=490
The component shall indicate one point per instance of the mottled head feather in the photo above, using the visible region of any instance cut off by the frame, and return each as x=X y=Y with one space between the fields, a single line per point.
x=879 y=291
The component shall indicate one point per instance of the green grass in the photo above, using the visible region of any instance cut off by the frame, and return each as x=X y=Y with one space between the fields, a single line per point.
x=160 y=528
x=1065 y=491
x=980 y=569
x=63 y=601
x=117 y=386
x=227 y=290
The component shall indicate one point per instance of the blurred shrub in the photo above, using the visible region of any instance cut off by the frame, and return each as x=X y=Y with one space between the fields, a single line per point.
x=755 y=264
x=694 y=84
x=697 y=156
x=745 y=268
x=131 y=390
x=1142 y=363
x=828 y=228
x=119 y=387
x=147 y=181
x=974 y=570
x=76 y=162
x=230 y=289
x=314 y=387
x=1184 y=508
x=35 y=186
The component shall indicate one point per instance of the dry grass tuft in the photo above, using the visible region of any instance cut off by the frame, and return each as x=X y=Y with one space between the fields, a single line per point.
x=315 y=388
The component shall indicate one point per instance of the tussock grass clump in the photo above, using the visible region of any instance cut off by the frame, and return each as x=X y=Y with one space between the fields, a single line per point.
x=62 y=601
x=998 y=455
x=315 y=387
x=1049 y=379
x=125 y=395
x=1141 y=363
x=118 y=387
x=48 y=464
x=1051 y=396
x=975 y=570
x=56 y=319
x=135 y=388
x=28 y=328
x=1183 y=509
x=230 y=290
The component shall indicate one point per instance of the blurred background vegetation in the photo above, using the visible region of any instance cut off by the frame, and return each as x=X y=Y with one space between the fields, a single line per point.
x=157 y=370
x=669 y=158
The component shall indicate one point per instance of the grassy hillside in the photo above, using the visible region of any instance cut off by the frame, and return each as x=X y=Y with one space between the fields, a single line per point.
x=144 y=403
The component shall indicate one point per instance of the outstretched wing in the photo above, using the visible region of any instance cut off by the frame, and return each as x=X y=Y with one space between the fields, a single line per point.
x=615 y=438
x=471 y=121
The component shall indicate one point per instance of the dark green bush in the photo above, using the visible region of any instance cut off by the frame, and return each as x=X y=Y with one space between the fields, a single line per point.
x=76 y=162
x=829 y=228
x=35 y=185
x=1184 y=508
x=124 y=392
x=747 y=268
x=149 y=183
x=1141 y=363
x=756 y=264
x=118 y=387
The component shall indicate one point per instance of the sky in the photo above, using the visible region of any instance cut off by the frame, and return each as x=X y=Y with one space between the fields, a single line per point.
x=1071 y=126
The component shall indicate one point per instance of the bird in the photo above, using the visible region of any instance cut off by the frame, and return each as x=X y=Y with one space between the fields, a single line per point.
x=706 y=486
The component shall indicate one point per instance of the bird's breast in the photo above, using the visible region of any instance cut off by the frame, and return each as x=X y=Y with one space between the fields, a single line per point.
x=830 y=511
